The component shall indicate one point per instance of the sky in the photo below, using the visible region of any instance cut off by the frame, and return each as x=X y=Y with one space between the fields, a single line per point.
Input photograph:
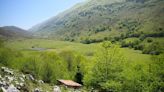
x=27 y=13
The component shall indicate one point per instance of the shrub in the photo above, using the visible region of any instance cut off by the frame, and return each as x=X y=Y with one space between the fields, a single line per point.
x=130 y=44
x=139 y=47
x=31 y=66
x=89 y=41
x=154 y=49
x=149 y=40
x=142 y=37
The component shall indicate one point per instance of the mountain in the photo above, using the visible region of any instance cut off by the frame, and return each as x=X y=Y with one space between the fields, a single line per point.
x=13 y=32
x=105 y=19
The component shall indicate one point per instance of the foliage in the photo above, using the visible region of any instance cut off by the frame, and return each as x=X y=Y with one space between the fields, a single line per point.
x=154 y=48
x=31 y=66
x=107 y=68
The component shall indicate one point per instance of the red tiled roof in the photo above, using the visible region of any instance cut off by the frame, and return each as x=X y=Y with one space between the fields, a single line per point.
x=70 y=83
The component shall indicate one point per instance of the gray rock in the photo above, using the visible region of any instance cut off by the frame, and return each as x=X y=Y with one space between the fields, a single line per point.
x=6 y=70
x=56 y=89
x=11 y=88
x=41 y=82
x=21 y=79
x=37 y=90
x=21 y=84
x=16 y=82
x=31 y=77
x=23 y=76
x=10 y=79
x=3 y=68
x=3 y=83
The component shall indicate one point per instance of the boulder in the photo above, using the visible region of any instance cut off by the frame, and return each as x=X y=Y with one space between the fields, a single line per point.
x=37 y=90
x=21 y=79
x=3 y=84
x=56 y=89
x=41 y=82
x=23 y=76
x=11 y=88
x=10 y=79
x=31 y=77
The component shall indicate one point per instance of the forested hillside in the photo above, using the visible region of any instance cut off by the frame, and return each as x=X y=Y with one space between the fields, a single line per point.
x=135 y=24
x=105 y=19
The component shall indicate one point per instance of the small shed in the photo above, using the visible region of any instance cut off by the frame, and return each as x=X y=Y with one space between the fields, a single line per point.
x=69 y=83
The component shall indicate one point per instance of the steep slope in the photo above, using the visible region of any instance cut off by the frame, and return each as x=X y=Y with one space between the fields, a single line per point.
x=13 y=32
x=99 y=19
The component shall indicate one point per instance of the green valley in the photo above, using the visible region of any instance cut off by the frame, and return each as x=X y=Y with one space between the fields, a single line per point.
x=104 y=45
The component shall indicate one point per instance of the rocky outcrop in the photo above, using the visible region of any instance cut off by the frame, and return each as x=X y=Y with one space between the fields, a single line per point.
x=13 y=81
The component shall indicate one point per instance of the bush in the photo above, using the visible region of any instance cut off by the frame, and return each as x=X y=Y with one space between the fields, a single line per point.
x=130 y=44
x=31 y=66
x=100 y=29
x=149 y=40
x=142 y=37
x=89 y=41
x=154 y=49
x=139 y=47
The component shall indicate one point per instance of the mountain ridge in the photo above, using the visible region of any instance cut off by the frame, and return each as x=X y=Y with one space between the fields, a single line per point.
x=14 y=32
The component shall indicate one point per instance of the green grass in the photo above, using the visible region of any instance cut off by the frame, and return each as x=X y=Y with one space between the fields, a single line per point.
x=51 y=44
x=135 y=55
x=84 y=49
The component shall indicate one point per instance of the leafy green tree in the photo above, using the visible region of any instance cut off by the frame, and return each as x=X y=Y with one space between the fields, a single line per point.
x=53 y=67
x=106 y=73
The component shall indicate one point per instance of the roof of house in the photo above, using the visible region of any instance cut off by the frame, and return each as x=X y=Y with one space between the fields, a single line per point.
x=70 y=83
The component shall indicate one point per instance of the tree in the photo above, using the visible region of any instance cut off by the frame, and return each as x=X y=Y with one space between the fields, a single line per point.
x=53 y=67
x=106 y=72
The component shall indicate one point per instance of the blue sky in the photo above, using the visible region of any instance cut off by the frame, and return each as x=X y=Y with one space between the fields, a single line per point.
x=27 y=13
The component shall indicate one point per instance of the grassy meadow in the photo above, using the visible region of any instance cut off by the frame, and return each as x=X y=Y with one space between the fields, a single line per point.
x=84 y=49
